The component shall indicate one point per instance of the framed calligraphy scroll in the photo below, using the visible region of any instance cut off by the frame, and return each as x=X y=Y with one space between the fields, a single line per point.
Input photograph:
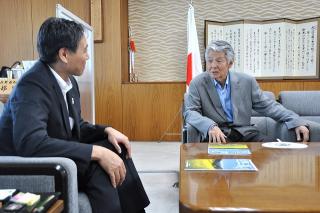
x=283 y=48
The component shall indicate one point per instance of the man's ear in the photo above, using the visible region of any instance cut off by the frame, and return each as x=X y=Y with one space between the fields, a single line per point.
x=230 y=64
x=62 y=54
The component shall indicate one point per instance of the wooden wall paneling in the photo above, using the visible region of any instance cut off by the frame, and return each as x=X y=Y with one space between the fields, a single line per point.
x=171 y=111
x=311 y=85
x=317 y=173
x=80 y=8
x=276 y=86
x=41 y=10
x=134 y=111
x=289 y=85
x=108 y=68
x=124 y=41
x=150 y=109
x=16 y=31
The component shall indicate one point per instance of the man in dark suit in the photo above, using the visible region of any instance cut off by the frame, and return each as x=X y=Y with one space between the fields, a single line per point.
x=219 y=103
x=42 y=119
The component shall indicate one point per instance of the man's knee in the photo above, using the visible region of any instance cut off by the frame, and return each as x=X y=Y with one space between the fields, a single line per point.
x=105 y=143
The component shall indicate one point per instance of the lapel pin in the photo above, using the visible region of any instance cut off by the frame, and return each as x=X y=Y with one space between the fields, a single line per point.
x=72 y=100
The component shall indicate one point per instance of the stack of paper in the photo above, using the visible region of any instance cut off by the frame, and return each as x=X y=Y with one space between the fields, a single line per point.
x=220 y=164
x=5 y=195
x=28 y=199
x=228 y=149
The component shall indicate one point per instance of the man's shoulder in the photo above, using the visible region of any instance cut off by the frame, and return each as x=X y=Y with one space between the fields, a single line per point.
x=241 y=75
x=37 y=72
x=200 y=77
x=36 y=76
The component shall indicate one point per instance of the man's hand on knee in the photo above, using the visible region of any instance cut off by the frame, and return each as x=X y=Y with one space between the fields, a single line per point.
x=115 y=138
x=111 y=163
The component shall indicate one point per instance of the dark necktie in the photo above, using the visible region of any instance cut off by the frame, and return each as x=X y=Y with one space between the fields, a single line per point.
x=70 y=102
x=72 y=113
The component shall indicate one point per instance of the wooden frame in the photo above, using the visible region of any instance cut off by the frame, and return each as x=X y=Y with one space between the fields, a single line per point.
x=96 y=19
x=271 y=49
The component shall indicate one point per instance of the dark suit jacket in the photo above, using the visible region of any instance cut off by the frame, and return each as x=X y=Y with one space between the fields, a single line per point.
x=203 y=106
x=35 y=121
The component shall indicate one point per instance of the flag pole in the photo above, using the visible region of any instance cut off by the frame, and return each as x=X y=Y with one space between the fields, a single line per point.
x=130 y=60
x=132 y=49
x=194 y=66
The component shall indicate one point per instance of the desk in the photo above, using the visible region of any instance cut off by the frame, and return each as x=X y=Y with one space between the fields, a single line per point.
x=287 y=181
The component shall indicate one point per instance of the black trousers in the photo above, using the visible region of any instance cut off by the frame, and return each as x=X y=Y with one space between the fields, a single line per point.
x=130 y=197
x=251 y=136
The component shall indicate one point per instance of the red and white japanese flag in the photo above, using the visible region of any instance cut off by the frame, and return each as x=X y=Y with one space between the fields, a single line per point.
x=194 y=66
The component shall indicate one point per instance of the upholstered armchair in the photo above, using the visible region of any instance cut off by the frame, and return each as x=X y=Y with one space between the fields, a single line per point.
x=264 y=124
x=53 y=174
x=47 y=174
x=307 y=105
x=304 y=103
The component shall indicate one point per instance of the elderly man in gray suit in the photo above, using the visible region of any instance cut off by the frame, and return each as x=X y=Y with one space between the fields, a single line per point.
x=219 y=102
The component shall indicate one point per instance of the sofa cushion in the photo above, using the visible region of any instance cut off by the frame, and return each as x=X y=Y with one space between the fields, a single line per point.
x=266 y=125
x=304 y=103
x=28 y=183
x=312 y=118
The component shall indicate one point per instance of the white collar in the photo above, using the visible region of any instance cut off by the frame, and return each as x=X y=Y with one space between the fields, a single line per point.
x=65 y=86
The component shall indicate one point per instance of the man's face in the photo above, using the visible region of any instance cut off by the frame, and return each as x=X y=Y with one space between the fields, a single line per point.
x=77 y=60
x=218 y=66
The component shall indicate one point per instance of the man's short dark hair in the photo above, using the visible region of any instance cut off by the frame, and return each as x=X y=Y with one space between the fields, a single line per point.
x=57 y=33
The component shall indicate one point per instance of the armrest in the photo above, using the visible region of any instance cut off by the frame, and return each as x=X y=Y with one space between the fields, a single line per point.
x=184 y=134
x=287 y=135
x=314 y=128
x=64 y=171
x=193 y=135
x=290 y=135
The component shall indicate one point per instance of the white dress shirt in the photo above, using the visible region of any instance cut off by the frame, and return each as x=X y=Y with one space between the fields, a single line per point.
x=65 y=86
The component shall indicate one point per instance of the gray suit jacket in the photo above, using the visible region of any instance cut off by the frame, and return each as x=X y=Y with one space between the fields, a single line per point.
x=203 y=106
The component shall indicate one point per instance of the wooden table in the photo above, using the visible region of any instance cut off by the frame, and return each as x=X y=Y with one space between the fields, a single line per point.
x=57 y=207
x=287 y=181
